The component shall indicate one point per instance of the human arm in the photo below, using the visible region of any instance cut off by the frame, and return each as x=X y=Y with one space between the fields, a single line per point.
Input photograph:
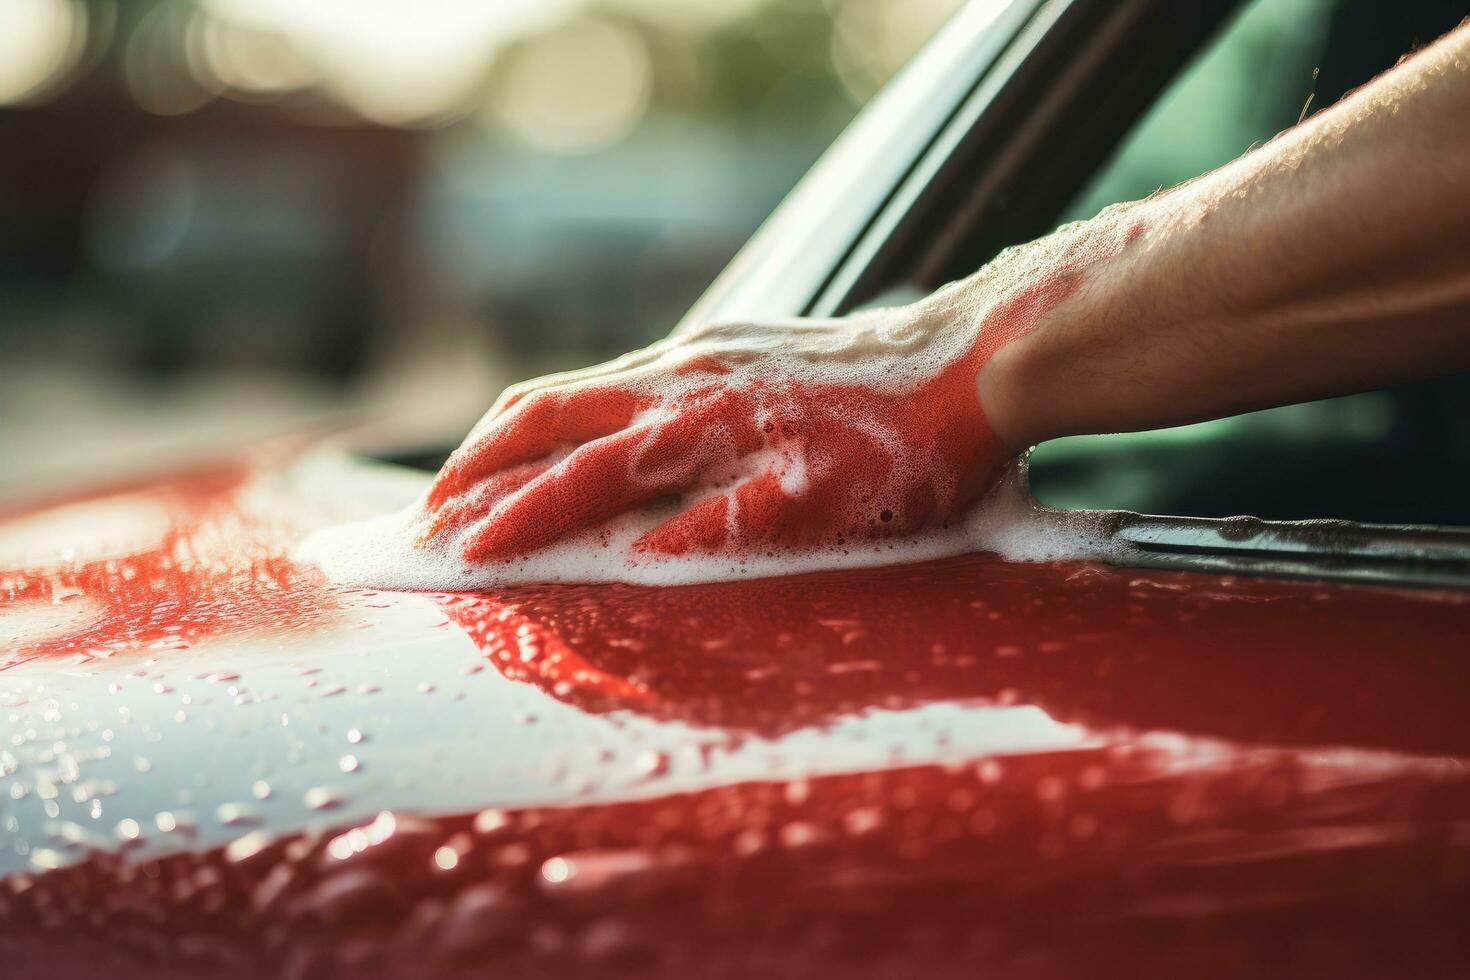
x=1334 y=258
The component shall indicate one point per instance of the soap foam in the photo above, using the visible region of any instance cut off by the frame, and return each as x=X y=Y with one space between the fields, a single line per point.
x=382 y=552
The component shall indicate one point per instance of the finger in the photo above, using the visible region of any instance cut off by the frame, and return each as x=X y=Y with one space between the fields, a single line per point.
x=753 y=512
x=534 y=430
x=762 y=507
x=702 y=529
x=811 y=495
x=469 y=507
x=706 y=427
x=562 y=410
x=619 y=473
x=588 y=486
x=766 y=513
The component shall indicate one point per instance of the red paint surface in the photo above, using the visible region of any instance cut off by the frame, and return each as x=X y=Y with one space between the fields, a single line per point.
x=1274 y=783
x=1264 y=661
x=215 y=570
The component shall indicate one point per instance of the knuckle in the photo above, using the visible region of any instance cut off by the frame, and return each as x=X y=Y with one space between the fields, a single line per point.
x=513 y=394
x=537 y=402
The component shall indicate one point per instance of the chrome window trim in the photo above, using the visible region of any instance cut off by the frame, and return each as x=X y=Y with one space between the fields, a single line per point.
x=1343 y=551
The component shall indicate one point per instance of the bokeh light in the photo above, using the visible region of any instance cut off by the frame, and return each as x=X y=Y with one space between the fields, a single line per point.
x=583 y=85
x=392 y=67
x=40 y=42
x=689 y=15
x=244 y=61
x=156 y=62
x=578 y=73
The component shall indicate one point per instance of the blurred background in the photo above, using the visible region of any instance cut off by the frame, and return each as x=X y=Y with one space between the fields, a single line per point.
x=225 y=218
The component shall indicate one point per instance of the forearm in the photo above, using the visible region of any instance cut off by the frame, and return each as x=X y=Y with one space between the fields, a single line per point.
x=1333 y=259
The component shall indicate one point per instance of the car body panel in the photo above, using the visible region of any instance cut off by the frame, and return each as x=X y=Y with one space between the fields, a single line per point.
x=689 y=779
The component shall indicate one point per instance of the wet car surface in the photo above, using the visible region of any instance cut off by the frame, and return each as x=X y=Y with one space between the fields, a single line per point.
x=213 y=761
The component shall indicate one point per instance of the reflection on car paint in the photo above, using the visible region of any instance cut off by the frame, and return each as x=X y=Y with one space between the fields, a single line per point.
x=1052 y=769
x=211 y=568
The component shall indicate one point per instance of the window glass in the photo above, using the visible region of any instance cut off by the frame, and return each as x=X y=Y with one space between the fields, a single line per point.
x=1395 y=456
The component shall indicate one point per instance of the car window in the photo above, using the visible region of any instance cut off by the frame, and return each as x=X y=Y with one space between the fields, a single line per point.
x=1395 y=456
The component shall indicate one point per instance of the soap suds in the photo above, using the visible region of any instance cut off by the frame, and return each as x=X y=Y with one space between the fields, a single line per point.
x=382 y=552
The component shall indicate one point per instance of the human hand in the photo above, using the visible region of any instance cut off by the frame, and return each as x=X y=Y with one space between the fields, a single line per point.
x=752 y=438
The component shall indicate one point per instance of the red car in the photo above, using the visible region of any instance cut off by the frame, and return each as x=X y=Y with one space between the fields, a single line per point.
x=1236 y=749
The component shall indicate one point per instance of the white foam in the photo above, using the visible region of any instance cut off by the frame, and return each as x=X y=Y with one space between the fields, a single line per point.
x=383 y=552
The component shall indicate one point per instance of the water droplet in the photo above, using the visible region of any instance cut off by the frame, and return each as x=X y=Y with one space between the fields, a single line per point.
x=489 y=822
x=169 y=822
x=246 y=847
x=322 y=798
x=800 y=833
x=45 y=859
x=236 y=814
x=584 y=872
x=348 y=763
x=260 y=789
x=863 y=820
x=651 y=763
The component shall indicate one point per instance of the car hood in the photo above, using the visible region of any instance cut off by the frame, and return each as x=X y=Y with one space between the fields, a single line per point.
x=941 y=744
